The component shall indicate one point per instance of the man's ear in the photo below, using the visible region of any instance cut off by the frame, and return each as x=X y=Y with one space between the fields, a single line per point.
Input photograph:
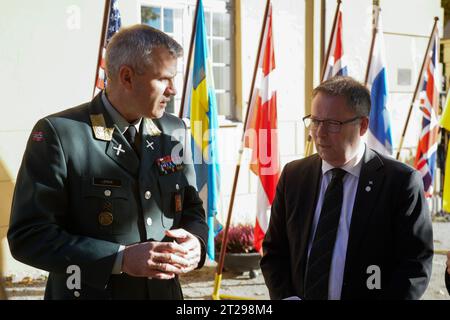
x=126 y=74
x=364 y=126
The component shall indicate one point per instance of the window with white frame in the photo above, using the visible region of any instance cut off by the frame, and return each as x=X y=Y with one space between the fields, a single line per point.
x=175 y=17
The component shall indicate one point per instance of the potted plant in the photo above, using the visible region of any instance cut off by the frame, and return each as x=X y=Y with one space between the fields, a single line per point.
x=241 y=255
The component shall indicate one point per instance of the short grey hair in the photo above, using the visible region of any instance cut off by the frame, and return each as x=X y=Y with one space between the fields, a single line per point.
x=356 y=94
x=133 y=46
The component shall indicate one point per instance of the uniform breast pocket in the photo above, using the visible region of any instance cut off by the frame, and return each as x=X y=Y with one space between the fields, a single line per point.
x=106 y=206
x=172 y=198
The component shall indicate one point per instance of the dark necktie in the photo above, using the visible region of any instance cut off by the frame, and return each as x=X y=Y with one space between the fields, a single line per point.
x=319 y=262
x=130 y=135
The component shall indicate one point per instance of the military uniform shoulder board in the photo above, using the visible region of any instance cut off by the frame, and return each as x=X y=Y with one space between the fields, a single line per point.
x=101 y=132
x=151 y=127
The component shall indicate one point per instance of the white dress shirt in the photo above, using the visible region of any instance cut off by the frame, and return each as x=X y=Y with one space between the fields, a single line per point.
x=350 y=184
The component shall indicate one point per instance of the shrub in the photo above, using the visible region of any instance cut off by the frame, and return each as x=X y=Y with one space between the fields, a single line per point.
x=240 y=239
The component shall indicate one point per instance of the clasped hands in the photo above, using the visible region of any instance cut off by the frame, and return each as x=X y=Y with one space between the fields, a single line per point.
x=163 y=260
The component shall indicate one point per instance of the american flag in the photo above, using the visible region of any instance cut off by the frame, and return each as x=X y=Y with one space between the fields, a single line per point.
x=425 y=160
x=113 y=25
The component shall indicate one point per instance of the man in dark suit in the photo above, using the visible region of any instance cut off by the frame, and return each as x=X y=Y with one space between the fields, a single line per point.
x=105 y=198
x=347 y=223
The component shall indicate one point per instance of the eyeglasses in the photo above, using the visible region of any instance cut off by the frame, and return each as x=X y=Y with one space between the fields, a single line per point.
x=332 y=126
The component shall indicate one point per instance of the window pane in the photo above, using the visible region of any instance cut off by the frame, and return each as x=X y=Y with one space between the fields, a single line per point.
x=151 y=16
x=221 y=51
x=208 y=23
x=221 y=25
x=171 y=106
x=179 y=81
x=222 y=78
x=168 y=20
x=224 y=103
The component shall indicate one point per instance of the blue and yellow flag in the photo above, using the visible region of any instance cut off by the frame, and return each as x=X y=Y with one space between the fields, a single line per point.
x=445 y=123
x=201 y=108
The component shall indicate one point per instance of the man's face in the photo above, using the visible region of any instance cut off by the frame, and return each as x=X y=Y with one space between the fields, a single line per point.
x=154 y=89
x=336 y=148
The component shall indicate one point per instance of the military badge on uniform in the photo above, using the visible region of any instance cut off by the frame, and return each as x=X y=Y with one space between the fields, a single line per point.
x=105 y=218
x=178 y=202
x=37 y=136
x=166 y=165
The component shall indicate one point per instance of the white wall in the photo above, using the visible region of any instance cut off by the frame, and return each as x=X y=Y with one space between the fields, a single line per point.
x=357 y=28
x=407 y=27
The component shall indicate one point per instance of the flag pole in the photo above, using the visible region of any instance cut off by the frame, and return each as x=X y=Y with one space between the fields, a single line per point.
x=436 y=19
x=309 y=147
x=374 y=35
x=188 y=63
x=218 y=277
x=102 y=40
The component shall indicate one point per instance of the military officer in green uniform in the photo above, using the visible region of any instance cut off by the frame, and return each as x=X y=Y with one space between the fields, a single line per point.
x=105 y=198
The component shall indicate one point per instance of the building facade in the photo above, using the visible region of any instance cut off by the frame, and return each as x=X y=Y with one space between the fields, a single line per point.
x=49 y=54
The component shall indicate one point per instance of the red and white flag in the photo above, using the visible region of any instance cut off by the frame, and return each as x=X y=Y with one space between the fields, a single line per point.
x=261 y=134
x=335 y=65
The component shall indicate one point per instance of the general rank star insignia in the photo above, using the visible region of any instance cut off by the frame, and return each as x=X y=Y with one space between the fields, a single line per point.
x=150 y=144
x=119 y=149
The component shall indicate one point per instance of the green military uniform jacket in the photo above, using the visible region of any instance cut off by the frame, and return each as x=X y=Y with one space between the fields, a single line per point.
x=82 y=191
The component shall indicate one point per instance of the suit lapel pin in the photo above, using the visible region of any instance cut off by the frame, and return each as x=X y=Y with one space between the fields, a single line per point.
x=369 y=188
x=119 y=149
x=150 y=144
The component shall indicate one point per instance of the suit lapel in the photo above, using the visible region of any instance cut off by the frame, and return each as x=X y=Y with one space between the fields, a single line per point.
x=369 y=186
x=117 y=148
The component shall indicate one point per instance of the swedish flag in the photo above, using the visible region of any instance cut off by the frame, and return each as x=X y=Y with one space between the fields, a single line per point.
x=201 y=108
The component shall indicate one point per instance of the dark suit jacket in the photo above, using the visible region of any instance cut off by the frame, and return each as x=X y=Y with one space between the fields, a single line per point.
x=78 y=197
x=390 y=228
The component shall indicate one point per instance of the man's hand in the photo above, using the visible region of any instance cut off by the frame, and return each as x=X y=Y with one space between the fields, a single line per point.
x=159 y=260
x=448 y=262
x=191 y=244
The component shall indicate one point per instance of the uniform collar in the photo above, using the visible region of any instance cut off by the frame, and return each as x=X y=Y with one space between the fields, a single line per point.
x=116 y=117
x=353 y=166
